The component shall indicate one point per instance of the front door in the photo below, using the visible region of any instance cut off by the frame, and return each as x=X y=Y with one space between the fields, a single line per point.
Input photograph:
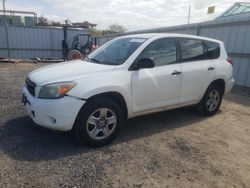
x=159 y=86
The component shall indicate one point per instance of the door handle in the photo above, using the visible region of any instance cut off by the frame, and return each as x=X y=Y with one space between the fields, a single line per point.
x=176 y=72
x=210 y=68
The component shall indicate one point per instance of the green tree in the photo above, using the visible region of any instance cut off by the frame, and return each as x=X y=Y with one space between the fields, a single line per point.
x=95 y=32
x=116 y=28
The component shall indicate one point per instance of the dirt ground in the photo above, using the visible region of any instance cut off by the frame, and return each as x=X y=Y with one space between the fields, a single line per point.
x=176 y=148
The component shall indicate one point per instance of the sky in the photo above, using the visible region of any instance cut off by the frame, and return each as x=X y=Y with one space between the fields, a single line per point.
x=132 y=14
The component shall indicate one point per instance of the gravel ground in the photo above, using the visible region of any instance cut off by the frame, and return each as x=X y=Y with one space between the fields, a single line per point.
x=176 y=148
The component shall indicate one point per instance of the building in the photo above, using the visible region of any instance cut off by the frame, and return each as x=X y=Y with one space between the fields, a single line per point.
x=237 y=9
x=18 y=18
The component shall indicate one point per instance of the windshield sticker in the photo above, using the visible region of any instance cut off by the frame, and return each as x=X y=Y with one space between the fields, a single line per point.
x=137 y=40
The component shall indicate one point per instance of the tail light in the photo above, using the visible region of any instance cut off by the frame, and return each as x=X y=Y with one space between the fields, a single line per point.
x=230 y=60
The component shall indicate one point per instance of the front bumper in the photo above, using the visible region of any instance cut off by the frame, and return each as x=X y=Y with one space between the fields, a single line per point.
x=57 y=114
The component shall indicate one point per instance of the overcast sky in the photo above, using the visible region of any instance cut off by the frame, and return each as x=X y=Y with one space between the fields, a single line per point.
x=132 y=14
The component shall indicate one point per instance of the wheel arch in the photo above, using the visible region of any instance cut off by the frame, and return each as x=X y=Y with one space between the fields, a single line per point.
x=221 y=83
x=113 y=95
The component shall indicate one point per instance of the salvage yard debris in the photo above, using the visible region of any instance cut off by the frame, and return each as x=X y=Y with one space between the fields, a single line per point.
x=33 y=60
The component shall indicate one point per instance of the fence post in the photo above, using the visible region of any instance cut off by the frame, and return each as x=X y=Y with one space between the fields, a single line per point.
x=198 y=29
x=6 y=30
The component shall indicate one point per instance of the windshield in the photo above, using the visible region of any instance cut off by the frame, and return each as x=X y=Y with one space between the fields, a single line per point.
x=116 y=51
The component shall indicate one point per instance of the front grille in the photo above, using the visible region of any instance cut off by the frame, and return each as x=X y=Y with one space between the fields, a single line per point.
x=31 y=86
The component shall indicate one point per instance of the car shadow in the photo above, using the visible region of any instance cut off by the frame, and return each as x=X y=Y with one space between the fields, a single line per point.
x=144 y=126
x=23 y=140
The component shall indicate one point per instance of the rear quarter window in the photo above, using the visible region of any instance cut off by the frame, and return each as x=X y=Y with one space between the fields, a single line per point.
x=212 y=49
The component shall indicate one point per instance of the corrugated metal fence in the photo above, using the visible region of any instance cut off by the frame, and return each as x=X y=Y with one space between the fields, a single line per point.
x=30 y=42
x=234 y=31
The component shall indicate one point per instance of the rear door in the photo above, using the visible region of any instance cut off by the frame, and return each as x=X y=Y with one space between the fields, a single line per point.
x=198 y=71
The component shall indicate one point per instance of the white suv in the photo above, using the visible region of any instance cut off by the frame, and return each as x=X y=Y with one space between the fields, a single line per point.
x=126 y=77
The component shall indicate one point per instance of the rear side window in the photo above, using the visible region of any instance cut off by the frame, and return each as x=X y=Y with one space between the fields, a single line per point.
x=192 y=50
x=212 y=49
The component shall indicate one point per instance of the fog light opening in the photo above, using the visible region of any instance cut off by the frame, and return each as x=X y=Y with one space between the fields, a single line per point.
x=53 y=120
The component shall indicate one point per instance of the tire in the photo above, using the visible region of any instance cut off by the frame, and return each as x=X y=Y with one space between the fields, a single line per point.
x=74 y=54
x=98 y=122
x=211 y=101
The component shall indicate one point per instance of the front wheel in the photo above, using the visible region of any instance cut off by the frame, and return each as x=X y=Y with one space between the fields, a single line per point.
x=211 y=101
x=99 y=122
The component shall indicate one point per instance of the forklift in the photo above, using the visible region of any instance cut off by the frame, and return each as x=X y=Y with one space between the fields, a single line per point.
x=81 y=46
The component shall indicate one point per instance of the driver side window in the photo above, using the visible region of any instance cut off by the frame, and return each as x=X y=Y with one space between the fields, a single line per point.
x=162 y=51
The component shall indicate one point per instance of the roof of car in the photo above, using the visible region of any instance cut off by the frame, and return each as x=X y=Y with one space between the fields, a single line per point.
x=151 y=35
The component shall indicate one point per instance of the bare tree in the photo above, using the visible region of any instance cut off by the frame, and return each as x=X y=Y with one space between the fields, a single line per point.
x=42 y=21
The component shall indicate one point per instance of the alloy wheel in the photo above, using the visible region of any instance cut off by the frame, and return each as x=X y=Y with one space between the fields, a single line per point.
x=101 y=123
x=213 y=100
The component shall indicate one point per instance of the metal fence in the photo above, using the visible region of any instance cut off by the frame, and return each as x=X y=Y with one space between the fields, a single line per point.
x=233 y=31
x=30 y=42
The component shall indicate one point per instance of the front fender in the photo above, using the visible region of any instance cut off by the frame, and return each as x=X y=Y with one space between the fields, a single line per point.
x=114 y=82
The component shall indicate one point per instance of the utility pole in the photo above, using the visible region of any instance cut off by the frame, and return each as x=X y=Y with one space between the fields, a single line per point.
x=6 y=29
x=189 y=12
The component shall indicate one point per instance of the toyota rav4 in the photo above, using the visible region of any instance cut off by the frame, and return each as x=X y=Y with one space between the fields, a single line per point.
x=128 y=76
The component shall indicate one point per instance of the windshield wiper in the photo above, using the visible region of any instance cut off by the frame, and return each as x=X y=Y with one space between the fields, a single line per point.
x=95 y=60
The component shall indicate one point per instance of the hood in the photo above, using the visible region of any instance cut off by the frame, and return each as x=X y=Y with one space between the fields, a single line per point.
x=67 y=71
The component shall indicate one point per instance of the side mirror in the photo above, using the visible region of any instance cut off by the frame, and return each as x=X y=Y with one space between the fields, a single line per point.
x=145 y=63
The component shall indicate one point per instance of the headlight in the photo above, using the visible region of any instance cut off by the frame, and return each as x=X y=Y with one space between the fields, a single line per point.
x=56 y=90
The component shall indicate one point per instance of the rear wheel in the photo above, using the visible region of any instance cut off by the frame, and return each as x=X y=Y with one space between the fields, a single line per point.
x=211 y=100
x=99 y=122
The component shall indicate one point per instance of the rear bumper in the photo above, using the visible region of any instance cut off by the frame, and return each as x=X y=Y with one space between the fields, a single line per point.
x=229 y=85
x=57 y=114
